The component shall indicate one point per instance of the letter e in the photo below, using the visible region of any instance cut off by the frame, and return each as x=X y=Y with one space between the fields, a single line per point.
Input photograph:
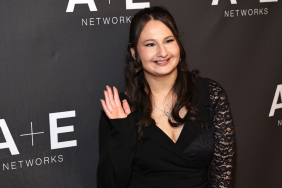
x=131 y=5
x=55 y=130
x=267 y=1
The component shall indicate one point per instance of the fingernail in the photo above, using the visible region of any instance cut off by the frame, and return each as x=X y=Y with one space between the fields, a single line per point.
x=114 y=86
x=107 y=86
x=123 y=100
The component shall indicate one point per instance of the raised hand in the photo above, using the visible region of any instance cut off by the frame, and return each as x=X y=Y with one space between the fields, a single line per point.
x=112 y=105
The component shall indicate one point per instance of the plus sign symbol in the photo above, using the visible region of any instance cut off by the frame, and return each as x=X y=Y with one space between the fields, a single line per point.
x=31 y=134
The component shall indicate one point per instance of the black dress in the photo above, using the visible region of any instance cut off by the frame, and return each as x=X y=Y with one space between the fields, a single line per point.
x=196 y=160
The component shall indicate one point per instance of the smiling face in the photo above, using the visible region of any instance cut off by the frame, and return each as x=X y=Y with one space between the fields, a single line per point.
x=158 y=50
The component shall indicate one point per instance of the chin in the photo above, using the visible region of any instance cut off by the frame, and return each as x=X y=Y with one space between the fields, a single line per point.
x=167 y=72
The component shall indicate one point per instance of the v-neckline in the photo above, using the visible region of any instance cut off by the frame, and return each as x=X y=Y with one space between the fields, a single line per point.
x=169 y=137
x=188 y=134
x=189 y=131
x=186 y=137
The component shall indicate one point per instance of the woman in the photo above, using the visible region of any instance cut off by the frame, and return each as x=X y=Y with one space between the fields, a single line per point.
x=172 y=129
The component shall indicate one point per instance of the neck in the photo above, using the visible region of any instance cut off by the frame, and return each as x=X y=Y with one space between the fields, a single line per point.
x=161 y=85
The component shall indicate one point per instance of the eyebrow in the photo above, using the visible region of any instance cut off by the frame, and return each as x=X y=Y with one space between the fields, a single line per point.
x=155 y=39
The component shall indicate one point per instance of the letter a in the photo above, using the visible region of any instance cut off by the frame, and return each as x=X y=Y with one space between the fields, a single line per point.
x=215 y=2
x=274 y=103
x=91 y=4
x=9 y=139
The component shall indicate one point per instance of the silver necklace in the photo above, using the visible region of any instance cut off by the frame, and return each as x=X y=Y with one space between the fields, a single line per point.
x=166 y=113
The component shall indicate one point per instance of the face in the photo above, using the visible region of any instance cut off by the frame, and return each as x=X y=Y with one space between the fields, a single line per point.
x=158 y=49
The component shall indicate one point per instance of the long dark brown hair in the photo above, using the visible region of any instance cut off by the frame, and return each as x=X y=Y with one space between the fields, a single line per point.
x=135 y=80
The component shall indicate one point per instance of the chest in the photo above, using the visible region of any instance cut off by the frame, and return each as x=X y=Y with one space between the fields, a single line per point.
x=160 y=154
x=162 y=121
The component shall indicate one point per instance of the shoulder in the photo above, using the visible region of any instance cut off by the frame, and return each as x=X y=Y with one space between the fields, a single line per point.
x=218 y=95
x=209 y=84
x=209 y=89
x=215 y=87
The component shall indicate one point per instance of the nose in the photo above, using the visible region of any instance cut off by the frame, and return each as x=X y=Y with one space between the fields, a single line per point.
x=162 y=51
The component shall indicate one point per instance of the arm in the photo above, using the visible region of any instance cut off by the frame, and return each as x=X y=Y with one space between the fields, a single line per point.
x=221 y=167
x=117 y=142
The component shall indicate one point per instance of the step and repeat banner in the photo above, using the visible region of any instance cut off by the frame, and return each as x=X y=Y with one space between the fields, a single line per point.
x=56 y=58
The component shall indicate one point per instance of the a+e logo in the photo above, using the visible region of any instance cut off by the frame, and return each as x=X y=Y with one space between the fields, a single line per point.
x=92 y=6
x=215 y=2
x=54 y=131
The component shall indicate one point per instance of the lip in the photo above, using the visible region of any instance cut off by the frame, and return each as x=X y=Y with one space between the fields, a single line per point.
x=162 y=64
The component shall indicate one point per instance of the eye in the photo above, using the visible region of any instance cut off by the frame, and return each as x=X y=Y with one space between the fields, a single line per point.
x=150 y=44
x=171 y=40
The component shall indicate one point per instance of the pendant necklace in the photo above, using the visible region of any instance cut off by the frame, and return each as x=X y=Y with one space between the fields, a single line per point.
x=166 y=113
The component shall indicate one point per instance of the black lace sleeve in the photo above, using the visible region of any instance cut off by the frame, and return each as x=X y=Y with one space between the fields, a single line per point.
x=221 y=167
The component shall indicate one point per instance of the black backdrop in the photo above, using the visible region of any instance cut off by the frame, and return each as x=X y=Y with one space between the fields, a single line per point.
x=54 y=66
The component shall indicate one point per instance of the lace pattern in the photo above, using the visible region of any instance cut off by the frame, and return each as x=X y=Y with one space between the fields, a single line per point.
x=221 y=166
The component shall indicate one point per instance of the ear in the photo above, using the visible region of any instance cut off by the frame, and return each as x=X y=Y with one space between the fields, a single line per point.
x=132 y=53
